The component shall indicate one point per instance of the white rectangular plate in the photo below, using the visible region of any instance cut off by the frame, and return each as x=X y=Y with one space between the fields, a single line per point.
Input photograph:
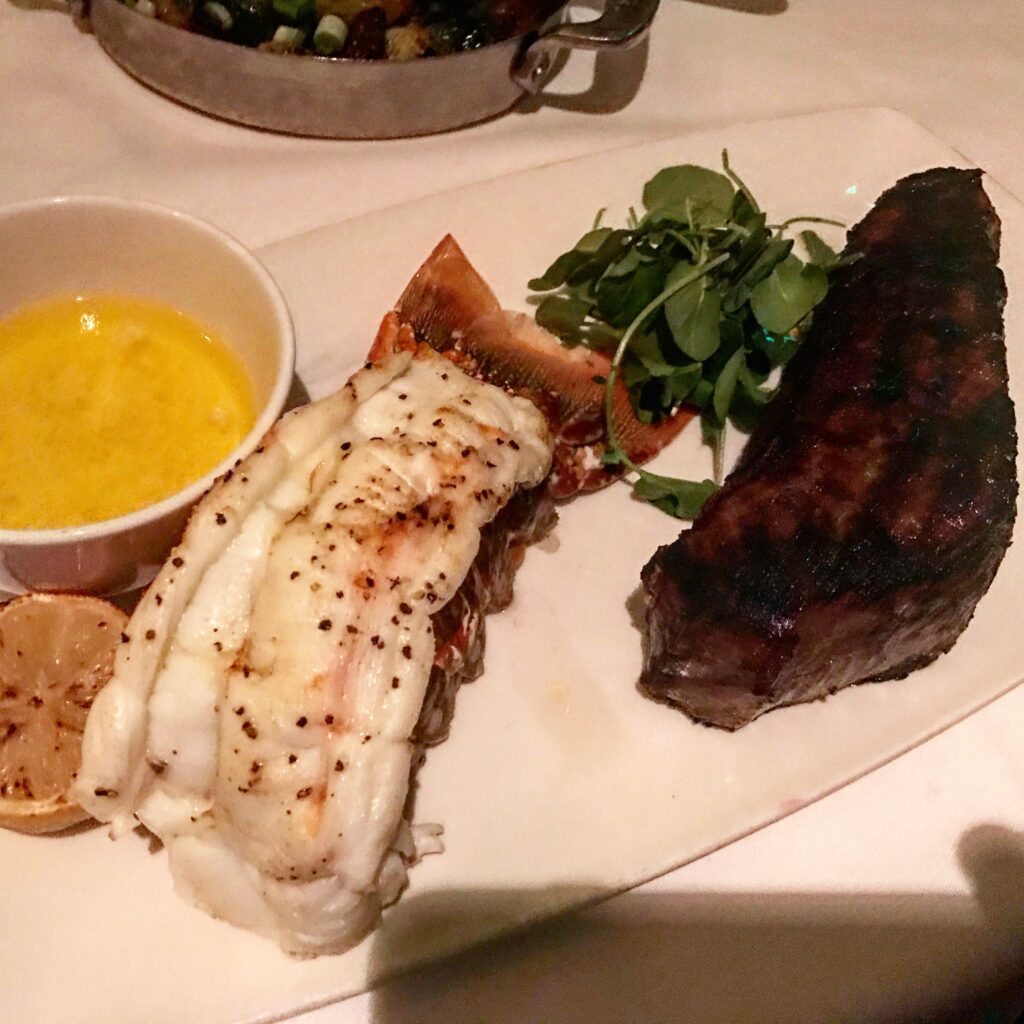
x=560 y=782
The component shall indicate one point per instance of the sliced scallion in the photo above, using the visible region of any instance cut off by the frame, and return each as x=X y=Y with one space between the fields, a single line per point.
x=217 y=13
x=330 y=35
x=293 y=10
x=289 y=37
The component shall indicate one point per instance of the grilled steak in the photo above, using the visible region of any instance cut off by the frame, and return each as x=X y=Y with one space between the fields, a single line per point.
x=874 y=502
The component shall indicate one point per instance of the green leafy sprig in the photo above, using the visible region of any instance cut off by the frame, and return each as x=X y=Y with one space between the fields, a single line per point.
x=698 y=301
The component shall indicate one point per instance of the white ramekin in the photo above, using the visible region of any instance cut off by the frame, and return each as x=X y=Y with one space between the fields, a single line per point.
x=81 y=244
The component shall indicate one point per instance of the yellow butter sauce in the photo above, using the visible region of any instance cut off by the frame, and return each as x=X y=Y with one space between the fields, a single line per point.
x=107 y=404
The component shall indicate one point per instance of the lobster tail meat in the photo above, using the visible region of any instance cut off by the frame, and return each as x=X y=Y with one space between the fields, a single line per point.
x=448 y=305
x=304 y=641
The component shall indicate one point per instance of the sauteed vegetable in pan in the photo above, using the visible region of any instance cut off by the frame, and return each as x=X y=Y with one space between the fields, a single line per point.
x=360 y=29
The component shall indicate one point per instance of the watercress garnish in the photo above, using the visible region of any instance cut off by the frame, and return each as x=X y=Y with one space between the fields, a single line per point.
x=698 y=299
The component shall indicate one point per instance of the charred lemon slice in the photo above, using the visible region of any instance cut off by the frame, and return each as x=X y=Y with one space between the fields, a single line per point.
x=56 y=652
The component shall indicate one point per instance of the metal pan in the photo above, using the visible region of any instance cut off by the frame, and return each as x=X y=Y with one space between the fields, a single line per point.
x=351 y=99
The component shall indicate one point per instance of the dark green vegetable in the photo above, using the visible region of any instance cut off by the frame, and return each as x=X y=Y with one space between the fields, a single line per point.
x=253 y=21
x=699 y=299
x=295 y=10
x=461 y=32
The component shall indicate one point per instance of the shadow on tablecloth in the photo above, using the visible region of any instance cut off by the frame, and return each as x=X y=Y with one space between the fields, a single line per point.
x=713 y=958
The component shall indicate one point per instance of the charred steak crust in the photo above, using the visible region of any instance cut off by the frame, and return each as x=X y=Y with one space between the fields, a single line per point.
x=875 y=500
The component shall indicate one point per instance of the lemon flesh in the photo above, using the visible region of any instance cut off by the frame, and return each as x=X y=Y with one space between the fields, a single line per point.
x=56 y=653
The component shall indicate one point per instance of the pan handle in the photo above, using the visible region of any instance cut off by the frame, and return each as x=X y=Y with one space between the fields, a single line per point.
x=623 y=23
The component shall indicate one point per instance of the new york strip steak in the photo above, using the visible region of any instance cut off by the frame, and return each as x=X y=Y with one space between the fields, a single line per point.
x=874 y=502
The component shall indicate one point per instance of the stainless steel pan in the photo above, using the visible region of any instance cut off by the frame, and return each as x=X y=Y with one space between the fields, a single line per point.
x=351 y=99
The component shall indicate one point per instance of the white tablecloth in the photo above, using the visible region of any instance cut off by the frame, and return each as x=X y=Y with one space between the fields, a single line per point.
x=902 y=895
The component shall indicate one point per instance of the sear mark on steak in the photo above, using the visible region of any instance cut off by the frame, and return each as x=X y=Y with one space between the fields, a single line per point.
x=874 y=502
